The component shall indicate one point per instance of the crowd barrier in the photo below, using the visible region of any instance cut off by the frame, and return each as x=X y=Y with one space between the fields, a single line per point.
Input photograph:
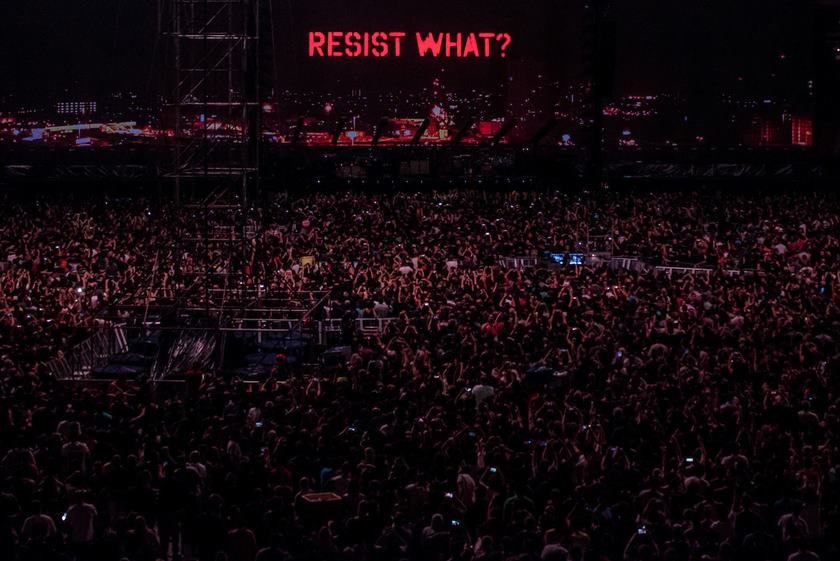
x=636 y=264
x=518 y=262
x=626 y=263
x=629 y=263
x=329 y=331
x=670 y=271
x=90 y=354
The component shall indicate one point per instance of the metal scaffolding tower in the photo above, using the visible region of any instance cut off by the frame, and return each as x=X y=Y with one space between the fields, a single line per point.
x=213 y=99
x=212 y=103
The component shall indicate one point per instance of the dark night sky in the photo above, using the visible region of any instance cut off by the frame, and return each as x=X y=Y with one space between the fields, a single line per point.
x=693 y=46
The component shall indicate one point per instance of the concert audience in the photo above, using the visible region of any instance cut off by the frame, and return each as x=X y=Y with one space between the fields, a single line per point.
x=552 y=413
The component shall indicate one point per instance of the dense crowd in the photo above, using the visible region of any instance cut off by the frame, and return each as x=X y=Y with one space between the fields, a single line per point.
x=552 y=413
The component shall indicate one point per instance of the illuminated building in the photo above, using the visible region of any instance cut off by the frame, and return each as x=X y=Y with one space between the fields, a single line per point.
x=75 y=107
x=802 y=131
x=764 y=131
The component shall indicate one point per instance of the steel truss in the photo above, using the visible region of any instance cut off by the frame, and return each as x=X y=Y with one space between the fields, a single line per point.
x=214 y=98
x=213 y=95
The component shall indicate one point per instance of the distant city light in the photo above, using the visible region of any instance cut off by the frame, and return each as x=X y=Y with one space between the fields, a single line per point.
x=75 y=107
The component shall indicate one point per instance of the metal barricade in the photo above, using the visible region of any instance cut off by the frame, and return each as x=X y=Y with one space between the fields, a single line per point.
x=518 y=262
x=90 y=354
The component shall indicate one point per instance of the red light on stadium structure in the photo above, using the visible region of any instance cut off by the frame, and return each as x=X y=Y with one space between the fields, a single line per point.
x=802 y=131
x=489 y=128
